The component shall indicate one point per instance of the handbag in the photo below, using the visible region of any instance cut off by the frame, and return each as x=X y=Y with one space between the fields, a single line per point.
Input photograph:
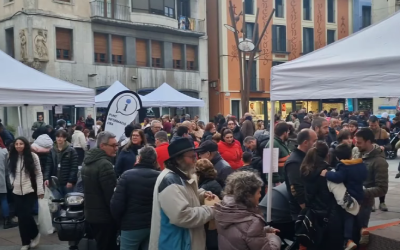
x=308 y=230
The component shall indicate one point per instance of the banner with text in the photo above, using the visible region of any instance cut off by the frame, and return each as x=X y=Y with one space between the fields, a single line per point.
x=122 y=110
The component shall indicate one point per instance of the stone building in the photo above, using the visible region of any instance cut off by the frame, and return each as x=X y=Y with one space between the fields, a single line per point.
x=141 y=43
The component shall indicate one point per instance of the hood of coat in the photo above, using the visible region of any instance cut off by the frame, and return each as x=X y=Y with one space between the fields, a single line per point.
x=65 y=146
x=78 y=132
x=95 y=155
x=376 y=152
x=44 y=141
x=229 y=212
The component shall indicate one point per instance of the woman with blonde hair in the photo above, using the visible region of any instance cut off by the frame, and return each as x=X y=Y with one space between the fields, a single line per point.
x=197 y=131
x=239 y=222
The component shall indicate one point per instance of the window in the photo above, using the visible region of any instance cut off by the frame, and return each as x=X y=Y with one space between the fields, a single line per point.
x=275 y=63
x=183 y=8
x=278 y=38
x=177 y=55
x=307 y=9
x=190 y=57
x=331 y=11
x=366 y=16
x=64 y=44
x=10 y=50
x=141 y=5
x=330 y=35
x=141 y=52
x=308 y=40
x=157 y=7
x=279 y=8
x=169 y=8
x=250 y=32
x=235 y=106
x=253 y=75
x=249 y=5
x=117 y=50
x=100 y=47
x=156 y=54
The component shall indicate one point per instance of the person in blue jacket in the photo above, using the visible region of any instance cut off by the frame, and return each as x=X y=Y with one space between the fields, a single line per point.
x=6 y=135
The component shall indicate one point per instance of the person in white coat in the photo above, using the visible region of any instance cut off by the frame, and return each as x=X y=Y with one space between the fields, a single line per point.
x=79 y=143
x=27 y=181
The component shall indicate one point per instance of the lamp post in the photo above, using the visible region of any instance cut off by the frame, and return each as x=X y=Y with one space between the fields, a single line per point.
x=245 y=47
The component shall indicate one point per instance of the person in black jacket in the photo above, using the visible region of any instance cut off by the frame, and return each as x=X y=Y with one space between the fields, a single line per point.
x=99 y=181
x=294 y=184
x=62 y=162
x=89 y=123
x=132 y=202
x=207 y=180
x=329 y=216
x=127 y=157
x=209 y=131
x=155 y=126
x=306 y=123
x=209 y=150
x=237 y=135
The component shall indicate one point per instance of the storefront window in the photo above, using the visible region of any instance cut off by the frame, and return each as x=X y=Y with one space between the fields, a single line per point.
x=308 y=105
x=256 y=109
x=328 y=106
x=365 y=104
x=277 y=109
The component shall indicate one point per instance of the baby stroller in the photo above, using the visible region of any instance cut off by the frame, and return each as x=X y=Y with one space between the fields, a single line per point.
x=394 y=138
x=280 y=215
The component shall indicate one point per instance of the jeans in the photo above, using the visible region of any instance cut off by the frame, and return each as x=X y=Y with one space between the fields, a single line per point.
x=364 y=215
x=135 y=239
x=348 y=226
x=28 y=229
x=4 y=205
x=81 y=155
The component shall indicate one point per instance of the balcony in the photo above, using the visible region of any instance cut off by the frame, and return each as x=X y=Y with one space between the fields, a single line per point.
x=257 y=85
x=104 y=9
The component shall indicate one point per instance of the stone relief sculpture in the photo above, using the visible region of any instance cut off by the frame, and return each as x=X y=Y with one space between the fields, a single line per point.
x=40 y=50
x=24 y=53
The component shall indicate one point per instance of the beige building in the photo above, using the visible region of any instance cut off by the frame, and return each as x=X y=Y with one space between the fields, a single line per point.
x=95 y=43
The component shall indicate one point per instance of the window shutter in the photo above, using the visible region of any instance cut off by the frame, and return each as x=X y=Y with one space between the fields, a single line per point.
x=118 y=45
x=63 y=39
x=190 y=53
x=100 y=43
x=177 y=51
x=157 y=5
x=155 y=49
x=141 y=52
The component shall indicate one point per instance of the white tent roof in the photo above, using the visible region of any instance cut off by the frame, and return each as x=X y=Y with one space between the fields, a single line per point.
x=167 y=96
x=20 y=84
x=365 y=64
x=103 y=99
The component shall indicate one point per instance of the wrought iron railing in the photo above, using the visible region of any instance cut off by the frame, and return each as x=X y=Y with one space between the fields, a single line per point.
x=103 y=8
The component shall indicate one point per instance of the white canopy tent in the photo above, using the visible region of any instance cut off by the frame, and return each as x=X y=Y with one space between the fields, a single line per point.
x=20 y=84
x=365 y=64
x=103 y=99
x=166 y=96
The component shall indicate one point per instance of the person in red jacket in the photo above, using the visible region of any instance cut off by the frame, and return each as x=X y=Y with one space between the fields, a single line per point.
x=161 y=141
x=230 y=149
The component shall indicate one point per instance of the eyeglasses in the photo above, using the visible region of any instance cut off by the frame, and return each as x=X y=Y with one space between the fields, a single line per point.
x=135 y=135
x=112 y=145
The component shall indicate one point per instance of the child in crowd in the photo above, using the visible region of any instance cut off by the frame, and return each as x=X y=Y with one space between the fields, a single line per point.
x=246 y=157
x=352 y=173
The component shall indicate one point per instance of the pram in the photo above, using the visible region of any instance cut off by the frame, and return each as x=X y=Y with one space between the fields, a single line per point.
x=280 y=215
x=394 y=138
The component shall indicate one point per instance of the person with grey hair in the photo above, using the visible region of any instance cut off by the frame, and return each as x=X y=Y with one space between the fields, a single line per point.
x=132 y=202
x=99 y=182
x=321 y=127
x=242 y=195
x=155 y=126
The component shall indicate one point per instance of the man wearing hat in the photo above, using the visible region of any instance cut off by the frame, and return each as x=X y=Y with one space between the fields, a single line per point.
x=209 y=150
x=178 y=215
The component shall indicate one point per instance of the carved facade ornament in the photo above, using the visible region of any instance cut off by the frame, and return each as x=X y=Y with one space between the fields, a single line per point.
x=23 y=39
x=40 y=51
x=36 y=64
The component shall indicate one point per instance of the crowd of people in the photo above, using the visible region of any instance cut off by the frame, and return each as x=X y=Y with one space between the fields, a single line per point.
x=155 y=184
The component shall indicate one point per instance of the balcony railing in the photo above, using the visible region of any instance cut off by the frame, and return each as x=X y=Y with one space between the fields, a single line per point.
x=101 y=8
x=257 y=85
x=193 y=24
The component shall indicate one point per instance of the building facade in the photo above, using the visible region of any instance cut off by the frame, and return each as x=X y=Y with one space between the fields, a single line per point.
x=297 y=28
x=141 y=43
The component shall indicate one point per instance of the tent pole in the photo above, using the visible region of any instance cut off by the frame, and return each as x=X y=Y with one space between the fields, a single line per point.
x=271 y=145
x=95 y=118
x=75 y=120
x=160 y=112
x=19 y=116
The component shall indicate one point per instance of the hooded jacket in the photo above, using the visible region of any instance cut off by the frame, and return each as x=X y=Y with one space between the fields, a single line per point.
x=222 y=167
x=241 y=228
x=68 y=160
x=42 y=146
x=352 y=173
x=232 y=153
x=99 y=183
x=377 y=182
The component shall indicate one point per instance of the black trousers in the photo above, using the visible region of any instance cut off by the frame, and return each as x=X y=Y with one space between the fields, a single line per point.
x=81 y=155
x=105 y=236
x=28 y=229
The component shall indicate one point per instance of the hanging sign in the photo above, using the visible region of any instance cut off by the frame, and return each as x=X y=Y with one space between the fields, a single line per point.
x=122 y=110
x=58 y=109
x=47 y=107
